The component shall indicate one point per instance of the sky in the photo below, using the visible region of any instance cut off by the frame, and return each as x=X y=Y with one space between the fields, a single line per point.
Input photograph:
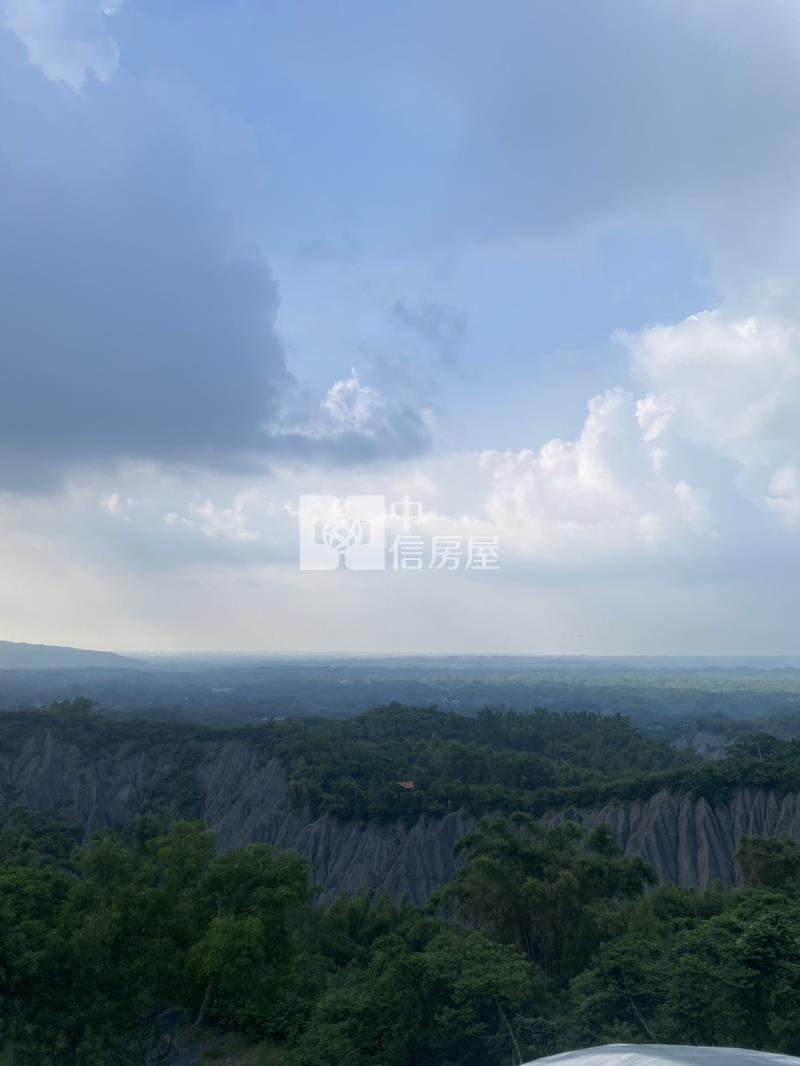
x=528 y=270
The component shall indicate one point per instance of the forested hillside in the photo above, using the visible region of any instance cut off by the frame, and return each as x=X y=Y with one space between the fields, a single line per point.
x=148 y=944
x=667 y=697
x=142 y=941
x=502 y=761
x=494 y=761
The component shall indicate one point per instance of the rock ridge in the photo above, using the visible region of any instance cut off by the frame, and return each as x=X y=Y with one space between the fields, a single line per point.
x=244 y=798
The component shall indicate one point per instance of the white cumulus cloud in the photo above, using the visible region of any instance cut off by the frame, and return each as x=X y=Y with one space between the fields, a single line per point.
x=353 y=405
x=731 y=385
x=601 y=493
x=67 y=39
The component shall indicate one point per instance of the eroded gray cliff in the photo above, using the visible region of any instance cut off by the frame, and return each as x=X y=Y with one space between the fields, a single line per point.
x=244 y=798
x=688 y=840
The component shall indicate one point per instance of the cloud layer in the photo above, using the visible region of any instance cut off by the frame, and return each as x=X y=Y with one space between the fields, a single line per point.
x=137 y=314
x=255 y=260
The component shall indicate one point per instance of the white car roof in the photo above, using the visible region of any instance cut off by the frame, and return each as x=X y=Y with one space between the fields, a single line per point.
x=666 y=1055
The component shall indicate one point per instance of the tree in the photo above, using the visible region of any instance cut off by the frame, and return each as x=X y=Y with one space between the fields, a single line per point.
x=554 y=893
x=769 y=863
x=252 y=899
x=90 y=955
x=437 y=997
x=727 y=979
x=29 y=837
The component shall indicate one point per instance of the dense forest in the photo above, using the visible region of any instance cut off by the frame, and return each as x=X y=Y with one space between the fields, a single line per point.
x=664 y=696
x=139 y=945
x=495 y=761
x=503 y=761
x=142 y=942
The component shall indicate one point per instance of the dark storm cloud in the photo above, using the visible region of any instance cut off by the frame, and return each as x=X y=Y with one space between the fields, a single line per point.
x=136 y=314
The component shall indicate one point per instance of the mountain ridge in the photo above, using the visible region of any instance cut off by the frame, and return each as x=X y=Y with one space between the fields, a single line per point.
x=21 y=656
x=245 y=797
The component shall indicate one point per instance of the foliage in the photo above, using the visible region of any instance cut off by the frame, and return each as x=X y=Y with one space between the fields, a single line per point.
x=767 y=863
x=496 y=761
x=502 y=761
x=729 y=979
x=87 y=957
x=31 y=838
x=431 y=1000
x=545 y=940
x=554 y=893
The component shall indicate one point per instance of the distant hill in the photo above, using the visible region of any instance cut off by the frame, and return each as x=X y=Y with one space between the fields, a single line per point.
x=47 y=657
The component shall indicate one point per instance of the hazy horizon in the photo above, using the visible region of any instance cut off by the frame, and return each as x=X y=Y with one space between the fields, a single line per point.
x=297 y=656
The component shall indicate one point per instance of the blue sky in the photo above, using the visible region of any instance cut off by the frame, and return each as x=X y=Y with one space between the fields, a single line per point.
x=361 y=121
x=534 y=264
